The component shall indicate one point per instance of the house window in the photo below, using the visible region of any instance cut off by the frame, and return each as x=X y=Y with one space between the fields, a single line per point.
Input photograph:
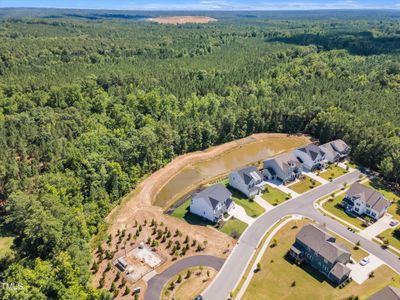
x=356 y=209
x=358 y=204
x=374 y=214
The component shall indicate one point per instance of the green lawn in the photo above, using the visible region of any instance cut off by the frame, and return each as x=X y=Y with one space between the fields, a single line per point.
x=352 y=165
x=274 y=196
x=330 y=206
x=332 y=172
x=233 y=225
x=182 y=212
x=5 y=246
x=252 y=208
x=388 y=235
x=304 y=185
x=279 y=278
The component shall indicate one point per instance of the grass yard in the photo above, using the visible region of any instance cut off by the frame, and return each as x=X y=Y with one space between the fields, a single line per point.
x=252 y=208
x=274 y=196
x=330 y=206
x=233 y=225
x=277 y=275
x=332 y=172
x=182 y=212
x=190 y=287
x=5 y=246
x=357 y=255
x=388 y=235
x=304 y=185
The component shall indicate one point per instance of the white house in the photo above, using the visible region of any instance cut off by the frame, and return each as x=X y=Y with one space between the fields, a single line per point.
x=311 y=157
x=247 y=180
x=361 y=200
x=212 y=202
x=335 y=151
x=285 y=167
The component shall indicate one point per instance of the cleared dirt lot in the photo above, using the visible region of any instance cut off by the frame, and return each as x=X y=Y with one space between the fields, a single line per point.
x=182 y=20
x=139 y=204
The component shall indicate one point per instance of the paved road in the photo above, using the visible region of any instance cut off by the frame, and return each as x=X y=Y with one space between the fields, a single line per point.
x=232 y=270
x=156 y=284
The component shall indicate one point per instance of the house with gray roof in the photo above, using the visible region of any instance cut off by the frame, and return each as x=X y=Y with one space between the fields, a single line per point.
x=311 y=157
x=335 y=150
x=212 y=203
x=319 y=249
x=284 y=167
x=387 y=293
x=363 y=200
x=247 y=180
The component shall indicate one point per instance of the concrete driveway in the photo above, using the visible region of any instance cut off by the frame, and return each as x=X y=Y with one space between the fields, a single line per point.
x=379 y=226
x=361 y=273
x=239 y=213
x=237 y=262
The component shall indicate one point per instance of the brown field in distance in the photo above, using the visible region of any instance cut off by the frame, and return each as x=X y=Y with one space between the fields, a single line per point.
x=182 y=20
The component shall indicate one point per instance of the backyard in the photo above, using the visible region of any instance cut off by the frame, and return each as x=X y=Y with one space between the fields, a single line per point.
x=305 y=184
x=280 y=279
x=182 y=212
x=331 y=206
x=274 y=196
x=233 y=227
x=332 y=171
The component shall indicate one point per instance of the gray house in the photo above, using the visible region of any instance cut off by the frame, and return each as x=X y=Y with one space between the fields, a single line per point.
x=248 y=180
x=361 y=200
x=284 y=167
x=311 y=157
x=335 y=151
x=387 y=293
x=316 y=247
x=212 y=203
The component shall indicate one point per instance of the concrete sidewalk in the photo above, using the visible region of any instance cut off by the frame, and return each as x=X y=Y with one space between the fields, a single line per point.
x=263 y=203
x=316 y=177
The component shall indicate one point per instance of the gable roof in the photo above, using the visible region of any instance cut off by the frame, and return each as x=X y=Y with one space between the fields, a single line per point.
x=250 y=173
x=312 y=151
x=339 y=145
x=339 y=271
x=327 y=148
x=285 y=161
x=387 y=293
x=321 y=242
x=368 y=195
x=215 y=194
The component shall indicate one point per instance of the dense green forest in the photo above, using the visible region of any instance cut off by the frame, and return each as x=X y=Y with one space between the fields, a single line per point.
x=90 y=103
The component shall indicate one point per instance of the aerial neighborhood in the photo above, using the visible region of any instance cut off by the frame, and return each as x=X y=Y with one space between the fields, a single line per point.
x=293 y=174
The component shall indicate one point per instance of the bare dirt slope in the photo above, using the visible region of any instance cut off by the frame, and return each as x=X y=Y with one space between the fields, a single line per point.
x=182 y=20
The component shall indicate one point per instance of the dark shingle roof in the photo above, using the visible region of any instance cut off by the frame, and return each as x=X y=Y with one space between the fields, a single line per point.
x=312 y=151
x=215 y=194
x=250 y=173
x=339 y=145
x=286 y=160
x=327 y=148
x=387 y=293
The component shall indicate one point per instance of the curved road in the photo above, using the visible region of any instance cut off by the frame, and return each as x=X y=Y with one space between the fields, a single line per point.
x=236 y=263
x=155 y=285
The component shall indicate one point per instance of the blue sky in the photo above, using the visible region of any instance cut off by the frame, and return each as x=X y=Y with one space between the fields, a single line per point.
x=207 y=4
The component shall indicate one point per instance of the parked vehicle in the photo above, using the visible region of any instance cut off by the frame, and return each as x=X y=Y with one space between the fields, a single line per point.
x=393 y=223
x=364 y=261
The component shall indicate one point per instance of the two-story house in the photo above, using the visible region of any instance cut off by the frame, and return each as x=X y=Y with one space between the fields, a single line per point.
x=212 y=203
x=335 y=151
x=248 y=180
x=363 y=200
x=311 y=157
x=285 y=167
x=319 y=249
